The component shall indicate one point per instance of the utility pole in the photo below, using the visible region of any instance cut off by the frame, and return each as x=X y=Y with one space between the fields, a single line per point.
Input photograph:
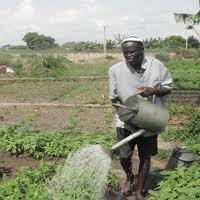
x=186 y=40
x=104 y=40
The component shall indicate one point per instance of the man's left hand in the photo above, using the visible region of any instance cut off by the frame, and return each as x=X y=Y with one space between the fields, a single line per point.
x=147 y=91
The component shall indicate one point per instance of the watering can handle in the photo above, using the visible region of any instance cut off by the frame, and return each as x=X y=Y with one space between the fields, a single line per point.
x=127 y=139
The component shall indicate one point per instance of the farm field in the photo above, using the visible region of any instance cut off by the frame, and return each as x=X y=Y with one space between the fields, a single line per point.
x=35 y=139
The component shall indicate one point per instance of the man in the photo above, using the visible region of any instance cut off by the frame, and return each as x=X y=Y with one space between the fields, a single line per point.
x=146 y=76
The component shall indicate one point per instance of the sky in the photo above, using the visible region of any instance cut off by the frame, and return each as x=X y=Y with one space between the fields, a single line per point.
x=77 y=20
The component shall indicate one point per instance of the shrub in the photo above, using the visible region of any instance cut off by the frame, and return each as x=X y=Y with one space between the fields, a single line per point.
x=17 y=66
x=109 y=57
x=174 y=41
x=189 y=54
x=5 y=59
x=47 y=61
x=164 y=57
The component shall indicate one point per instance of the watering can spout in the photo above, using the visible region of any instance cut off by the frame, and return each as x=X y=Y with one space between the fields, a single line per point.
x=127 y=139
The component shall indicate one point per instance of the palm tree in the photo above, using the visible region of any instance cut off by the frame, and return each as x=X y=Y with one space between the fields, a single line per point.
x=189 y=19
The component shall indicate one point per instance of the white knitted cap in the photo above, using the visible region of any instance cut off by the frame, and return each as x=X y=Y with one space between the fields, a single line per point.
x=132 y=38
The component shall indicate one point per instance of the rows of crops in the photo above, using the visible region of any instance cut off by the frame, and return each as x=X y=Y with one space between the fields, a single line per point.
x=83 y=127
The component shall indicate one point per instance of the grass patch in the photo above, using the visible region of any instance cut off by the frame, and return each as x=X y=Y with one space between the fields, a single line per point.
x=185 y=73
x=90 y=92
x=179 y=111
x=72 y=123
x=188 y=133
x=162 y=154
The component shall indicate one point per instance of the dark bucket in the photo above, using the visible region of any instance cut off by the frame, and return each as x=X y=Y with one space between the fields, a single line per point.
x=180 y=157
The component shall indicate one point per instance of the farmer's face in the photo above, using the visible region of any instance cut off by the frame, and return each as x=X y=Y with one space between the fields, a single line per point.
x=133 y=53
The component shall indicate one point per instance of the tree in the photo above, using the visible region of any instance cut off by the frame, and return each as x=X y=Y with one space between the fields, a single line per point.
x=193 y=42
x=189 y=19
x=174 y=41
x=119 y=38
x=110 y=44
x=38 y=42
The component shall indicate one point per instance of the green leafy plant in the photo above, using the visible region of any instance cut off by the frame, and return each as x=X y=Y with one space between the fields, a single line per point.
x=113 y=181
x=38 y=144
x=29 y=184
x=181 y=184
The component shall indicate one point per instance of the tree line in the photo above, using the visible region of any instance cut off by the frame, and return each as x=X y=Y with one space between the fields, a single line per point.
x=35 y=41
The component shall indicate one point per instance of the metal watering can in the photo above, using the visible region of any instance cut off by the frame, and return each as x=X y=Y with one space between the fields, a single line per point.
x=142 y=114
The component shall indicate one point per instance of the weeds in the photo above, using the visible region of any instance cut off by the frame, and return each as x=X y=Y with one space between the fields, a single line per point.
x=162 y=154
x=18 y=66
x=72 y=122
x=188 y=133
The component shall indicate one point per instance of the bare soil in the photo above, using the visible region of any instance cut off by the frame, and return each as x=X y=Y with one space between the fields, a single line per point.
x=53 y=119
x=179 y=120
x=15 y=162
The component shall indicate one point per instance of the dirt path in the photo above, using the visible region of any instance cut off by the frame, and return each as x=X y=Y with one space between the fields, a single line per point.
x=6 y=104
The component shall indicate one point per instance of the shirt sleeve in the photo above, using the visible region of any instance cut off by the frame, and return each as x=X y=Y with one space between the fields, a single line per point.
x=112 y=84
x=165 y=77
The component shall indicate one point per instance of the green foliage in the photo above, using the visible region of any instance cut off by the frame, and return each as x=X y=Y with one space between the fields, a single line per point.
x=108 y=113
x=181 y=184
x=162 y=154
x=110 y=44
x=185 y=73
x=91 y=92
x=38 y=42
x=179 y=111
x=174 y=42
x=164 y=57
x=29 y=184
x=18 y=66
x=109 y=57
x=38 y=144
x=18 y=47
x=153 y=43
x=81 y=193
x=80 y=46
x=187 y=54
x=193 y=42
x=71 y=126
x=113 y=181
x=196 y=149
x=188 y=133
x=5 y=59
x=48 y=61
